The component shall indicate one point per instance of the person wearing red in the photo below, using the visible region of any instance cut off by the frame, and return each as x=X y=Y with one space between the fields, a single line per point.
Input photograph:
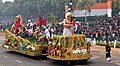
x=17 y=23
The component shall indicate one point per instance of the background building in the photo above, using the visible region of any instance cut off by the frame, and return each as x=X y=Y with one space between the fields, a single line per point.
x=98 y=9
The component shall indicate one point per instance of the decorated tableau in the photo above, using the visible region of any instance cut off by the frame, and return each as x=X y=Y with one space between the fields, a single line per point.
x=69 y=48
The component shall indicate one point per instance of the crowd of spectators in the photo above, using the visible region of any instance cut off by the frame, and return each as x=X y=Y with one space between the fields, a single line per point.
x=102 y=30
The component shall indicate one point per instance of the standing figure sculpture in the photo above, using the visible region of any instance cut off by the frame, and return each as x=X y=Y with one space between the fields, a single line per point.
x=68 y=25
x=17 y=24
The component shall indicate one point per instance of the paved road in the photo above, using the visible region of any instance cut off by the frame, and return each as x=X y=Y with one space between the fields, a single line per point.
x=8 y=58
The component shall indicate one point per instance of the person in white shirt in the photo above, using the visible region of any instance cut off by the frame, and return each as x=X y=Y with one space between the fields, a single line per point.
x=47 y=33
x=68 y=25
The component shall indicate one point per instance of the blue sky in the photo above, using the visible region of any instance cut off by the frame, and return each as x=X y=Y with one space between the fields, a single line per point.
x=7 y=0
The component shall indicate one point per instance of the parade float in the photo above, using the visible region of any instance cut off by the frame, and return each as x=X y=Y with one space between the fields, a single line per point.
x=68 y=48
x=27 y=45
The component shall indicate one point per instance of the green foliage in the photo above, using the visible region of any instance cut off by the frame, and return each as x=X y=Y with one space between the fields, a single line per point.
x=51 y=17
x=32 y=7
x=85 y=4
x=116 y=8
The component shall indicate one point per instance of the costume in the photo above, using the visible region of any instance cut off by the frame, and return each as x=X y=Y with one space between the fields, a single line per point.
x=68 y=25
x=47 y=33
x=67 y=31
x=17 y=23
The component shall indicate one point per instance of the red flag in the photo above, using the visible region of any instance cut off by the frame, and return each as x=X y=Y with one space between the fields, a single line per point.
x=39 y=21
x=44 y=22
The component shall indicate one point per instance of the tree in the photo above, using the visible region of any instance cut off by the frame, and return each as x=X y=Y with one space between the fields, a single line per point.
x=116 y=7
x=32 y=8
x=1 y=3
x=85 y=4
x=51 y=17
x=5 y=9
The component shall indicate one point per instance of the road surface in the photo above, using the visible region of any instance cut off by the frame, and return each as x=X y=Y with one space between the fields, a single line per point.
x=9 y=58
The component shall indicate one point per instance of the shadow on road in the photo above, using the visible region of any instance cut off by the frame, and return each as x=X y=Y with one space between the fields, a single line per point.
x=37 y=58
x=71 y=63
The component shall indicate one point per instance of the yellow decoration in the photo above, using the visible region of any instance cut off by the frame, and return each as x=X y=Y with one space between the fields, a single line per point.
x=69 y=44
x=36 y=48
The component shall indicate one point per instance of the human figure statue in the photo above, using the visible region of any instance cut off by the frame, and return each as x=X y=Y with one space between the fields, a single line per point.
x=17 y=24
x=68 y=25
